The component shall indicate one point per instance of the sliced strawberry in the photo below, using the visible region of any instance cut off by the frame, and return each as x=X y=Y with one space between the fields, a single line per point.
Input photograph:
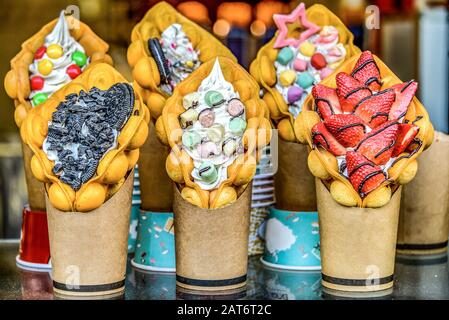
x=348 y=129
x=326 y=101
x=322 y=137
x=406 y=133
x=374 y=109
x=364 y=175
x=378 y=145
x=367 y=72
x=350 y=91
x=404 y=95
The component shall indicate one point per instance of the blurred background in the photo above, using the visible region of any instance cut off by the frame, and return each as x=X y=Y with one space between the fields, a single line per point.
x=411 y=36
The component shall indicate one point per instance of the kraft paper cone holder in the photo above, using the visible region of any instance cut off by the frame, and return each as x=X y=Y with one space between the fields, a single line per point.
x=89 y=249
x=358 y=245
x=424 y=219
x=212 y=245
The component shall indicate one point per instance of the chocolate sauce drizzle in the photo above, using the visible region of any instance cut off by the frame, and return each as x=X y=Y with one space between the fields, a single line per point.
x=353 y=91
x=343 y=128
x=407 y=85
x=385 y=149
x=407 y=156
x=363 y=65
x=326 y=101
x=318 y=143
x=417 y=119
x=373 y=134
x=365 y=180
x=369 y=97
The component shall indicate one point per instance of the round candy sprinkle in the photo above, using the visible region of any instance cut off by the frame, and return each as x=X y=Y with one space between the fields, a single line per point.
x=40 y=53
x=54 y=51
x=208 y=172
x=39 y=98
x=294 y=93
x=190 y=139
x=189 y=64
x=79 y=58
x=300 y=65
x=287 y=77
x=213 y=98
x=237 y=125
x=285 y=55
x=235 y=107
x=37 y=83
x=318 y=61
x=73 y=71
x=307 y=49
x=305 y=80
x=45 y=67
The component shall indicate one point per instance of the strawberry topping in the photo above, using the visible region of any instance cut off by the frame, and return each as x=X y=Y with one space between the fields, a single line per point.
x=378 y=145
x=348 y=129
x=364 y=175
x=374 y=110
x=326 y=101
x=350 y=91
x=404 y=95
x=367 y=72
x=322 y=137
x=406 y=133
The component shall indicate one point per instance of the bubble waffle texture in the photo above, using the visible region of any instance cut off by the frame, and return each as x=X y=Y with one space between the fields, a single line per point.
x=144 y=68
x=397 y=174
x=240 y=173
x=17 y=82
x=263 y=70
x=115 y=164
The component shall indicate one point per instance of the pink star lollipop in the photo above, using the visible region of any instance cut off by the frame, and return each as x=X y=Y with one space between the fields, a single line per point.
x=281 y=21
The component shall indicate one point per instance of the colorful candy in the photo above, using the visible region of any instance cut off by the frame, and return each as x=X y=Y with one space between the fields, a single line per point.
x=45 y=67
x=287 y=77
x=237 y=125
x=214 y=98
x=207 y=117
x=39 y=98
x=40 y=53
x=207 y=150
x=318 y=61
x=285 y=55
x=187 y=118
x=216 y=133
x=73 y=71
x=307 y=49
x=191 y=100
x=235 y=107
x=230 y=147
x=37 y=83
x=305 y=80
x=294 y=93
x=190 y=139
x=54 y=51
x=79 y=58
x=208 y=172
x=300 y=65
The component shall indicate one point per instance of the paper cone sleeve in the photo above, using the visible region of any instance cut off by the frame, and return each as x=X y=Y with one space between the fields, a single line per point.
x=294 y=184
x=262 y=68
x=358 y=245
x=416 y=113
x=155 y=21
x=90 y=249
x=17 y=83
x=424 y=220
x=36 y=189
x=211 y=245
x=156 y=188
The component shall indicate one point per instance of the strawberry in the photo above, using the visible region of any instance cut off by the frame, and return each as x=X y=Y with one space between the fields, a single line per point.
x=367 y=72
x=364 y=175
x=374 y=109
x=348 y=129
x=350 y=91
x=404 y=95
x=322 y=137
x=326 y=101
x=378 y=145
x=406 y=133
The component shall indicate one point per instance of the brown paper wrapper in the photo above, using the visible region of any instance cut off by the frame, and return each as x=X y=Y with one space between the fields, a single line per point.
x=358 y=245
x=211 y=245
x=36 y=189
x=424 y=219
x=294 y=184
x=156 y=188
x=89 y=250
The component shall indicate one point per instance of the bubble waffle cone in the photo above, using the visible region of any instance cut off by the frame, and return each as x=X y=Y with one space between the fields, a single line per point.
x=263 y=69
x=115 y=163
x=35 y=188
x=17 y=82
x=256 y=135
x=324 y=165
x=145 y=71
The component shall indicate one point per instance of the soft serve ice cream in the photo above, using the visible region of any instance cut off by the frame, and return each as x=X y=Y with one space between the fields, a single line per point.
x=213 y=125
x=57 y=62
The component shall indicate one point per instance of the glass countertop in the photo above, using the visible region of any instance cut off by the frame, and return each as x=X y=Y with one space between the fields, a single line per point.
x=415 y=278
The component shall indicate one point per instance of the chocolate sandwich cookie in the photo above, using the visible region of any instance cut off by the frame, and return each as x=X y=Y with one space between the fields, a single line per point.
x=187 y=118
x=158 y=55
x=207 y=117
x=208 y=172
x=235 y=107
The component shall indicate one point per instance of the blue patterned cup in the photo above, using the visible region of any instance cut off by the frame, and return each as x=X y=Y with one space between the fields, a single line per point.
x=291 y=285
x=155 y=247
x=133 y=224
x=292 y=240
